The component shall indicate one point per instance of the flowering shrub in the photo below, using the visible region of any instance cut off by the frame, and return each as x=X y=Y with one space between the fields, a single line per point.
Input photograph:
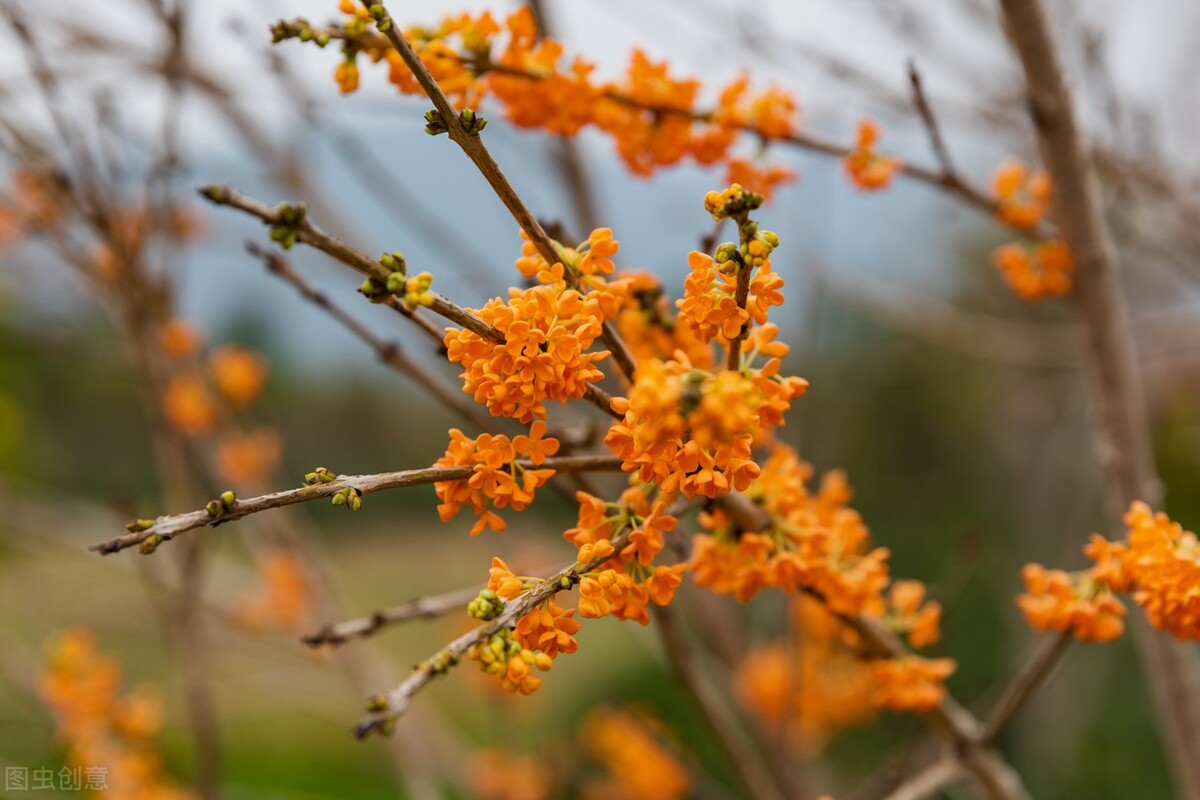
x=682 y=484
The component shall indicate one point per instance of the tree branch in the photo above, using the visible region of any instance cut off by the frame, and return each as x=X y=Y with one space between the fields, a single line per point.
x=1123 y=444
x=924 y=783
x=309 y=234
x=473 y=146
x=396 y=703
x=339 y=633
x=169 y=526
x=1039 y=666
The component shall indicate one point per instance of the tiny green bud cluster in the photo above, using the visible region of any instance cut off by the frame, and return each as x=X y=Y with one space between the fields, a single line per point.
x=486 y=606
x=289 y=219
x=434 y=123
x=472 y=123
x=349 y=497
x=226 y=502
x=318 y=476
x=732 y=202
x=299 y=28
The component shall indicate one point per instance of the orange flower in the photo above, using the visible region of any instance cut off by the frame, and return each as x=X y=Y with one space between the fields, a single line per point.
x=547 y=331
x=98 y=725
x=188 y=405
x=1022 y=197
x=814 y=686
x=911 y=683
x=1043 y=271
x=178 y=338
x=245 y=459
x=599 y=591
x=638 y=766
x=550 y=629
x=503 y=581
x=497 y=481
x=869 y=169
x=238 y=374
x=346 y=75
x=499 y=775
x=284 y=600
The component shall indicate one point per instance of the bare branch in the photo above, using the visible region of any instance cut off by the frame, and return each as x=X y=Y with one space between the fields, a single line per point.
x=950 y=182
x=931 y=124
x=751 y=772
x=169 y=526
x=339 y=633
x=390 y=353
x=924 y=783
x=309 y=234
x=396 y=702
x=473 y=146
x=1035 y=671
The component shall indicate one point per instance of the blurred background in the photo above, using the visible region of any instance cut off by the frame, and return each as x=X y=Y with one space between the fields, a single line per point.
x=958 y=411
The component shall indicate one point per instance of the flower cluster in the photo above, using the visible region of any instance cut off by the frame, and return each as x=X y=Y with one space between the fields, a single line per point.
x=638 y=766
x=1043 y=270
x=652 y=116
x=811 y=687
x=1022 y=196
x=547 y=330
x=284 y=601
x=1060 y=601
x=691 y=431
x=708 y=305
x=817 y=544
x=499 y=775
x=867 y=167
x=650 y=331
x=245 y=458
x=514 y=665
x=626 y=580
x=1158 y=563
x=911 y=683
x=102 y=727
x=497 y=480
x=550 y=629
x=192 y=396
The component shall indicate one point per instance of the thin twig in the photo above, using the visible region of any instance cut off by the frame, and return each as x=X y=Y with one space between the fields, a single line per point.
x=755 y=778
x=951 y=183
x=169 y=526
x=1027 y=680
x=473 y=146
x=924 y=783
x=741 y=294
x=940 y=151
x=339 y=633
x=390 y=353
x=309 y=234
x=396 y=703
